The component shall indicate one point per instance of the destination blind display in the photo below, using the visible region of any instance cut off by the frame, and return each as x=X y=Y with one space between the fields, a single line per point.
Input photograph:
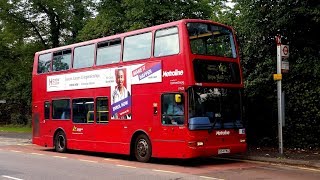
x=216 y=71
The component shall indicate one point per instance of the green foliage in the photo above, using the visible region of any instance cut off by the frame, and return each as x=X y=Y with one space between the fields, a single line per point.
x=27 y=27
x=51 y=22
x=257 y=23
x=118 y=16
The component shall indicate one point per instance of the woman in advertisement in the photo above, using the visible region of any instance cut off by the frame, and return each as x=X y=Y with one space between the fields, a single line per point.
x=121 y=100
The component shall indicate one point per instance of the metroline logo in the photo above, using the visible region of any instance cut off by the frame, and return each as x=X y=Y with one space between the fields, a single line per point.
x=222 y=133
x=53 y=81
x=176 y=72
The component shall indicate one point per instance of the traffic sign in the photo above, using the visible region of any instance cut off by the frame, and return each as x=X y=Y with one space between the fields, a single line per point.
x=284 y=66
x=284 y=51
x=277 y=77
x=278 y=40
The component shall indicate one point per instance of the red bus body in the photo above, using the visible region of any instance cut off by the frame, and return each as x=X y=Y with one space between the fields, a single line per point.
x=177 y=75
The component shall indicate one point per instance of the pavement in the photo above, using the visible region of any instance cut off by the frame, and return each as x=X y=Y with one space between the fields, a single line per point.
x=295 y=157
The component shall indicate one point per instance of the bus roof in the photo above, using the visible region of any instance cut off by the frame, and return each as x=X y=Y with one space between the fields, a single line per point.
x=129 y=33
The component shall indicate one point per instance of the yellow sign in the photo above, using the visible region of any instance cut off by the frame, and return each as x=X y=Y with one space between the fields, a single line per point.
x=277 y=77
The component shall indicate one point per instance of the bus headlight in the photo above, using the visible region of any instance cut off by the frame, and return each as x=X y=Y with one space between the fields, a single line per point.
x=195 y=143
x=199 y=143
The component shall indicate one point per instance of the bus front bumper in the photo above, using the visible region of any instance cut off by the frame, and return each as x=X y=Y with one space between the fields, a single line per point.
x=207 y=151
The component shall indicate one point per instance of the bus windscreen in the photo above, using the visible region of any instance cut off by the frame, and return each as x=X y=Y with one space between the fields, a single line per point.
x=213 y=40
x=221 y=105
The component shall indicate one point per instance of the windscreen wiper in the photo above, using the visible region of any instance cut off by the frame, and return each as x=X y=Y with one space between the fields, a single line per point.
x=212 y=127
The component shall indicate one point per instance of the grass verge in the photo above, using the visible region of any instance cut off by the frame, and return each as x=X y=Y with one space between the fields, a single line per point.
x=15 y=128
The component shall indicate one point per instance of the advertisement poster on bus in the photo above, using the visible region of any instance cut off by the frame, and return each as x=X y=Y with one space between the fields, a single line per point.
x=120 y=81
x=146 y=73
x=121 y=94
x=150 y=72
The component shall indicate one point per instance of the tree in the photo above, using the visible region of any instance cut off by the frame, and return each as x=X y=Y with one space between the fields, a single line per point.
x=15 y=76
x=257 y=23
x=118 y=16
x=27 y=26
x=48 y=21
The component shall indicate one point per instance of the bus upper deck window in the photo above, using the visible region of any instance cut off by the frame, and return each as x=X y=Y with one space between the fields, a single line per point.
x=61 y=60
x=137 y=47
x=109 y=52
x=44 y=63
x=166 y=42
x=83 y=56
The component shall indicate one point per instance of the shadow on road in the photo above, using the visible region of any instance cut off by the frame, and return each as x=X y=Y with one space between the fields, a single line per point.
x=194 y=162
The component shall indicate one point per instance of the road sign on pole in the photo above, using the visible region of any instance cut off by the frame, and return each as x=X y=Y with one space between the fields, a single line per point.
x=284 y=51
x=284 y=66
x=277 y=77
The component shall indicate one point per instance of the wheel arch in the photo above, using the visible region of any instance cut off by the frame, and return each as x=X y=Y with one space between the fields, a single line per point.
x=55 y=133
x=134 y=137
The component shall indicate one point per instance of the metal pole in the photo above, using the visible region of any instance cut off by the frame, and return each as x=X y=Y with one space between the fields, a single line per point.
x=283 y=109
x=279 y=92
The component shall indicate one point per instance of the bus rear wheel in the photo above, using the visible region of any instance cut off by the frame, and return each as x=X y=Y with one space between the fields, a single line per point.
x=142 y=148
x=60 y=142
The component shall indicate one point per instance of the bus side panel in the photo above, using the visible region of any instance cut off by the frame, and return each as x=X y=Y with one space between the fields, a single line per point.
x=109 y=137
x=142 y=116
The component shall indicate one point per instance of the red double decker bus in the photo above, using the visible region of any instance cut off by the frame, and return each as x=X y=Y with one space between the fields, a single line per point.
x=167 y=91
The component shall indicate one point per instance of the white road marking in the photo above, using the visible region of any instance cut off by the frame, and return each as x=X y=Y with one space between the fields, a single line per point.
x=10 y=177
x=108 y=159
x=15 y=151
x=125 y=166
x=62 y=157
x=37 y=154
x=24 y=144
x=159 y=170
x=88 y=160
x=206 y=177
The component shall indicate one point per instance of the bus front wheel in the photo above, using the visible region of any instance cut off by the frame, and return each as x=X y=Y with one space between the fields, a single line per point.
x=60 y=142
x=142 y=149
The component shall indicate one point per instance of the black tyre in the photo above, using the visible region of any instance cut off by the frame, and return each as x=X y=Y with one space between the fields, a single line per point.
x=142 y=148
x=60 y=142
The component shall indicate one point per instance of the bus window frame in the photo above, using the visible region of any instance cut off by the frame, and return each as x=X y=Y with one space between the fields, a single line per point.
x=96 y=110
x=94 y=55
x=184 y=109
x=38 y=60
x=62 y=50
x=109 y=40
x=233 y=45
x=57 y=99
x=154 y=40
x=72 y=114
x=151 y=47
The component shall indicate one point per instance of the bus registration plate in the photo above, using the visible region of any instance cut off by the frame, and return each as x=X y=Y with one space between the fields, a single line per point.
x=223 y=151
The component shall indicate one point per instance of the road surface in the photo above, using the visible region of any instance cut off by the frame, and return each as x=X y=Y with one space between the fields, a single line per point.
x=20 y=160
